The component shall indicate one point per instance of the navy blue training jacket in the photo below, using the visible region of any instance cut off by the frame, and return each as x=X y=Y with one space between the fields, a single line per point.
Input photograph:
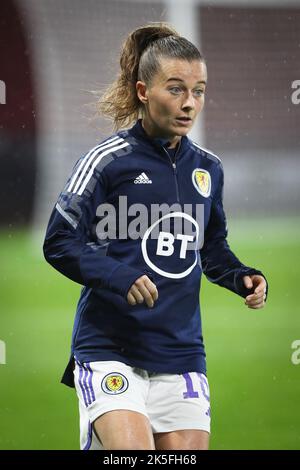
x=168 y=337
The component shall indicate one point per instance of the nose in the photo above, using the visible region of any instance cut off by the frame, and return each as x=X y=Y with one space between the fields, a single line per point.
x=189 y=102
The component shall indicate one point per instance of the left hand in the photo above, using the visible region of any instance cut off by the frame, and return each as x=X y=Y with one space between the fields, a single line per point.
x=258 y=283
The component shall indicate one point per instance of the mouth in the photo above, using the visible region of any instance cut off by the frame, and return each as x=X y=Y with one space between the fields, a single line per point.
x=184 y=120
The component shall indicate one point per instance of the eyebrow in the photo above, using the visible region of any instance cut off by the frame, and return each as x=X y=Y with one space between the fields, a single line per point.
x=180 y=80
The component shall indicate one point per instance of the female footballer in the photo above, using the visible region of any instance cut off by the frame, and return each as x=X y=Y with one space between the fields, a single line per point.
x=137 y=357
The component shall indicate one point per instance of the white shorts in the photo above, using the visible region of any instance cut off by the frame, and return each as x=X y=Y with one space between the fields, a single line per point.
x=170 y=401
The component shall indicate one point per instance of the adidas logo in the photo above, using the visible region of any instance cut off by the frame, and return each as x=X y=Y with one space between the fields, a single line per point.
x=142 y=179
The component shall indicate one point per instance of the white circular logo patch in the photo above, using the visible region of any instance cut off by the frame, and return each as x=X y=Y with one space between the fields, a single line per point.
x=166 y=245
x=114 y=383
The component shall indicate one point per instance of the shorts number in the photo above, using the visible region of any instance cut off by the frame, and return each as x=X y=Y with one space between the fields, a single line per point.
x=190 y=392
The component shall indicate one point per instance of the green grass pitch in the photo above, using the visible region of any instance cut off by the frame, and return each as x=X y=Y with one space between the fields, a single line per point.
x=255 y=387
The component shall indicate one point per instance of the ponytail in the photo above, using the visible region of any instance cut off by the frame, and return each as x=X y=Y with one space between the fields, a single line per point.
x=139 y=60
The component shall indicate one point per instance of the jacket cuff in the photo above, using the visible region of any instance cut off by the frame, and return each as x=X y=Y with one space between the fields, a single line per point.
x=240 y=288
x=122 y=279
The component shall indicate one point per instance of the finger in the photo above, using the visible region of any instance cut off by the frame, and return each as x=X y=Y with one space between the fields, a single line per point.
x=146 y=295
x=248 y=282
x=254 y=297
x=131 y=300
x=261 y=289
x=135 y=291
x=259 y=282
x=151 y=288
x=255 y=302
x=257 y=306
x=142 y=283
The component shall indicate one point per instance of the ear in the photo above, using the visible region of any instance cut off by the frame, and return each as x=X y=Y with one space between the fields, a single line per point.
x=141 y=90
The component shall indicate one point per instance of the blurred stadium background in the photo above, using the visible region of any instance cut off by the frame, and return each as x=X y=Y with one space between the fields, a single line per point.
x=53 y=54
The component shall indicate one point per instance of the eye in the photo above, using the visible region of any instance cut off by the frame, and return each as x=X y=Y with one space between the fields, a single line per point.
x=175 y=90
x=198 y=92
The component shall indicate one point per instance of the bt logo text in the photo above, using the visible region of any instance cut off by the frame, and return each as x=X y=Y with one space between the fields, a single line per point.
x=295 y=358
x=2 y=352
x=2 y=92
x=296 y=94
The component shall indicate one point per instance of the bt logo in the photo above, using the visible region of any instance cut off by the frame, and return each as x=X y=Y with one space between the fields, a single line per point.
x=166 y=245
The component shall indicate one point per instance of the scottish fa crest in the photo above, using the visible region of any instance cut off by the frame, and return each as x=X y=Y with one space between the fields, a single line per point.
x=114 y=383
x=202 y=181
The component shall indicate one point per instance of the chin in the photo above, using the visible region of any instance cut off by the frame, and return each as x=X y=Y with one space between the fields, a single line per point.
x=182 y=132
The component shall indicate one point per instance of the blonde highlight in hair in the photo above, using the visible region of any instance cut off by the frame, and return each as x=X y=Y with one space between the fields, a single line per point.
x=139 y=60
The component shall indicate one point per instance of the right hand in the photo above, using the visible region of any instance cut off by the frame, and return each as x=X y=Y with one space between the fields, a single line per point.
x=143 y=290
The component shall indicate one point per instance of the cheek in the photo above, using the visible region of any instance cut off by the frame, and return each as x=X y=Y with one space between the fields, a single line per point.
x=161 y=106
x=200 y=105
x=169 y=110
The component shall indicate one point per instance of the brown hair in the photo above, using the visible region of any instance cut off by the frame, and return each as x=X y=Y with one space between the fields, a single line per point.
x=139 y=60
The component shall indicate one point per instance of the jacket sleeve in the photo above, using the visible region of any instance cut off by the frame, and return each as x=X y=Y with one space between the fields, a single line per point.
x=219 y=263
x=70 y=246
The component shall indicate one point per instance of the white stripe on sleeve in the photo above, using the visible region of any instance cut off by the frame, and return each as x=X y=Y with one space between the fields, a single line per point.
x=87 y=159
x=90 y=173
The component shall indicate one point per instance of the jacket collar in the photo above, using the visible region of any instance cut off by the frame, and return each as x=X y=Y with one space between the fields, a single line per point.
x=139 y=133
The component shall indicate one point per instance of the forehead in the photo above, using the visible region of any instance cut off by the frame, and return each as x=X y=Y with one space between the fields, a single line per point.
x=188 y=72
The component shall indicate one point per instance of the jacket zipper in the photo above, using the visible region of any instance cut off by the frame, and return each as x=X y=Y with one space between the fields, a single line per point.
x=174 y=166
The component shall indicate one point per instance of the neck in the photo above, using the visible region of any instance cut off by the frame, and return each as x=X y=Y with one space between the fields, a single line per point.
x=154 y=132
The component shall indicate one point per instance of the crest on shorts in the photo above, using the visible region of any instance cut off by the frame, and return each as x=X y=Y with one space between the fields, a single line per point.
x=201 y=181
x=114 y=383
